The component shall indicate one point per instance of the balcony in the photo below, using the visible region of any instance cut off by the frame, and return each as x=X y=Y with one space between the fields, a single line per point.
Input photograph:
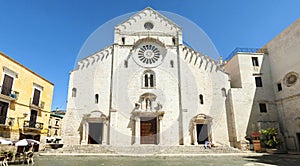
x=37 y=105
x=8 y=94
x=33 y=125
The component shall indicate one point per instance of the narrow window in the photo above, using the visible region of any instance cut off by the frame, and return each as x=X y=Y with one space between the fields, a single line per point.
x=223 y=92
x=56 y=122
x=262 y=107
x=123 y=40
x=171 y=63
x=96 y=98
x=125 y=63
x=279 y=87
x=174 y=41
x=255 y=61
x=55 y=132
x=201 y=99
x=258 y=82
x=146 y=80
x=74 y=92
x=151 y=80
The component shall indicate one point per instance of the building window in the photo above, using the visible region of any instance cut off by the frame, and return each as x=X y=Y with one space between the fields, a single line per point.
x=149 y=79
x=174 y=41
x=279 y=87
x=96 y=98
x=3 y=112
x=223 y=92
x=201 y=99
x=55 y=132
x=171 y=63
x=123 y=40
x=56 y=122
x=74 y=92
x=255 y=61
x=7 y=84
x=262 y=107
x=36 y=97
x=258 y=82
x=125 y=63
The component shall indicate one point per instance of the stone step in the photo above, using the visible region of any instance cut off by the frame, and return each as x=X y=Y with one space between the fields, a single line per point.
x=143 y=149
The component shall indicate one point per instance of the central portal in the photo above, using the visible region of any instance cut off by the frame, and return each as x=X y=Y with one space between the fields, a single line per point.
x=148 y=130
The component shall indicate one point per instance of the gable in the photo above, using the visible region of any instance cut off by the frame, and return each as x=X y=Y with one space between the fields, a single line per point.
x=140 y=24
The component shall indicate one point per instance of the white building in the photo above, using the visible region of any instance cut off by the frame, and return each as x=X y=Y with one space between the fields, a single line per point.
x=150 y=88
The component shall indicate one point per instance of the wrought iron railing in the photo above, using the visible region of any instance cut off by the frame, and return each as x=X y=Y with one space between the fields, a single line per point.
x=246 y=50
x=9 y=92
x=31 y=124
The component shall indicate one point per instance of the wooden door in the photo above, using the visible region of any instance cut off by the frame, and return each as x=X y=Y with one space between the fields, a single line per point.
x=3 y=112
x=95 y=133
x=36 y=97
x=148 y=130
x=33 y=116
x=7 y=85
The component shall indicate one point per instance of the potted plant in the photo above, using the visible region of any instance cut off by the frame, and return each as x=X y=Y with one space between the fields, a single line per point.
x=270 y=140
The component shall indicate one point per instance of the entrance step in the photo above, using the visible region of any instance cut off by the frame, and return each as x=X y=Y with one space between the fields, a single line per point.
x=143 y=149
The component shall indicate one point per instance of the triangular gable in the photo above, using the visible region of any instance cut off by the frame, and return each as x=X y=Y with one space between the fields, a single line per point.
x=136 y=23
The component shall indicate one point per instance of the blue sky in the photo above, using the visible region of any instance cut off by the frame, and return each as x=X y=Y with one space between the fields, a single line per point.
x=46 y=35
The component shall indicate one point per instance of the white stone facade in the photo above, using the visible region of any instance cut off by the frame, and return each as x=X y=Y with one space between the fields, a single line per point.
x=183 y=93
x=150 y=88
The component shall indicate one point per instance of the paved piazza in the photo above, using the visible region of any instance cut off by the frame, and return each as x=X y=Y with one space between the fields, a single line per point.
x=215 y=159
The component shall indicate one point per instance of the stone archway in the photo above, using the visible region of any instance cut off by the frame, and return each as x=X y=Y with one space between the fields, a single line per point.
x=93 y=128
x=200 y=130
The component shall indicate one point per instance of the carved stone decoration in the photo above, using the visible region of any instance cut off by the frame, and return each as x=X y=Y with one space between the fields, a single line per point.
x=290 y=79
x=199 y=119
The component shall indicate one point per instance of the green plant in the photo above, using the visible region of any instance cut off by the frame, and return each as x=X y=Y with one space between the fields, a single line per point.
x=269 y=137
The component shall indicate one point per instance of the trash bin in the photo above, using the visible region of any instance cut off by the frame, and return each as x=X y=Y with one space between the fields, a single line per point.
x=256 y=144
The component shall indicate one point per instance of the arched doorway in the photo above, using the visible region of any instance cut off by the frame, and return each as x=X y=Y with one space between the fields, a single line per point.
x=201 y=129
x=93 y=128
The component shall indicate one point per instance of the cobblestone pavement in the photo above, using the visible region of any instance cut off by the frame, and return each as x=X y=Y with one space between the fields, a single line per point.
x=247 y=160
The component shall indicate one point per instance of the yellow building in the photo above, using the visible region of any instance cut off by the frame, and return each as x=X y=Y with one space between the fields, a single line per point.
x=25 y=101
x=54 y=132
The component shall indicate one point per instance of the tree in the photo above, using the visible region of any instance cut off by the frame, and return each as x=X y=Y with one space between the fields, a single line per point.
x=269 y=137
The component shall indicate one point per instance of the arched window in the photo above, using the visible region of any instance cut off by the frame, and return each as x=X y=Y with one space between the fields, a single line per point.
x=171 y=63
x=74 y=92
x=223 y=92
x=174 y=41
x=201 y=99
x=149 y=79
x=125 y=63
x=96 y=98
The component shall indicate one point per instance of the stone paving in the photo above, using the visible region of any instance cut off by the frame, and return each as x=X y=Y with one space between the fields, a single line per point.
x=255 y=159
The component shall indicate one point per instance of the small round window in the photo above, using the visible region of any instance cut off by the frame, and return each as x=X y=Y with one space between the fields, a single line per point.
x=148 y=25
x=290 y=79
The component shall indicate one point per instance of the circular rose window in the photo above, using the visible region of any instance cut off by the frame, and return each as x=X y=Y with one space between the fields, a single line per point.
x=148 y=25
x=290 y=79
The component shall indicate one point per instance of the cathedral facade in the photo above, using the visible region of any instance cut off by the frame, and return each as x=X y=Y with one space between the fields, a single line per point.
x=148 y=87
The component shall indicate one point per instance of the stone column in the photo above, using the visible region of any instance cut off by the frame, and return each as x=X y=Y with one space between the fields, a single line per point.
x=160 y=130
x=137 y=130
x=84 y=133
x=195 y=134
x=104 y=134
